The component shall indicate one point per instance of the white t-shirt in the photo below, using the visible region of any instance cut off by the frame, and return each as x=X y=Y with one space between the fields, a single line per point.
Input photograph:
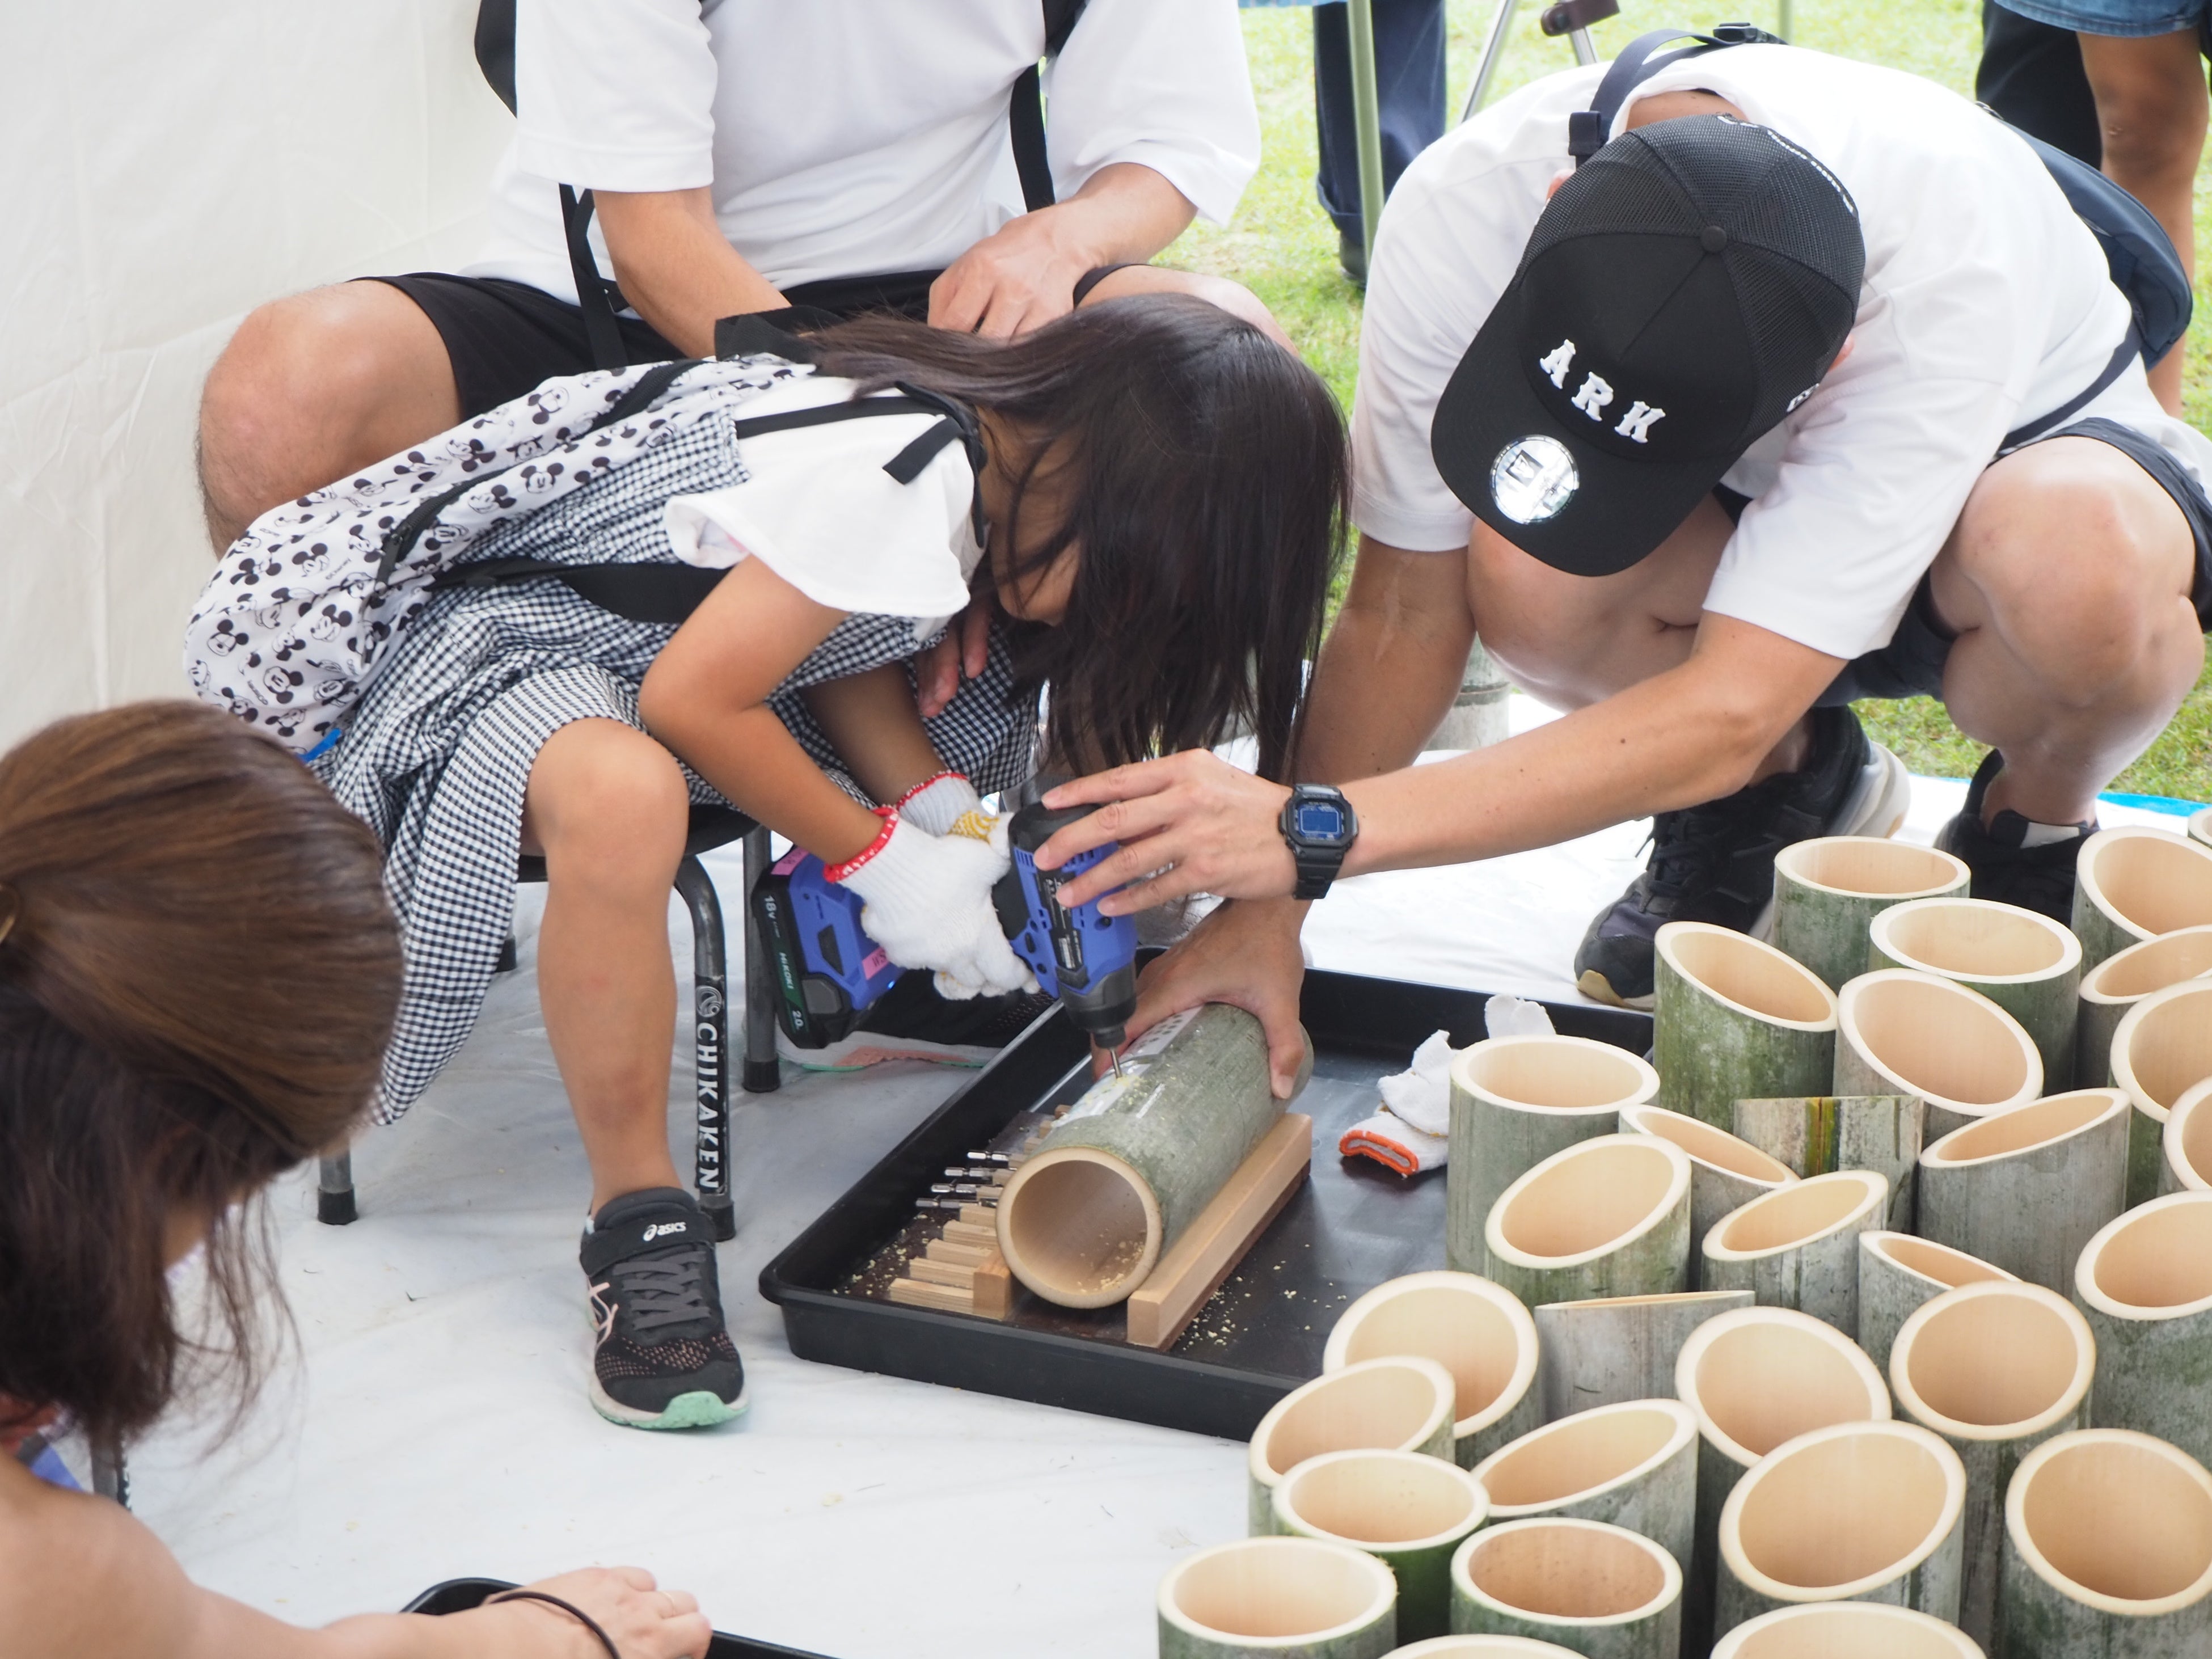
x=1987 y=302
x=854 y=137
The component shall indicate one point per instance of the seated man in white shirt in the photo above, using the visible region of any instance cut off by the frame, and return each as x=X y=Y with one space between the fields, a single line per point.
x=1776 y=403
x=743 y=155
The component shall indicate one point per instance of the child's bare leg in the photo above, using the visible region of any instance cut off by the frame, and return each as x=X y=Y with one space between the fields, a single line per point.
x=607 y=807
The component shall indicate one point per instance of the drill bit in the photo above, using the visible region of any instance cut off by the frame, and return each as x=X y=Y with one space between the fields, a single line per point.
x=1114 y=1055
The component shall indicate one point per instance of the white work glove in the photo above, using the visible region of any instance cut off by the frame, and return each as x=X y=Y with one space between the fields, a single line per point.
x=936 y=805
x=927 y=901
x=1413 y=1132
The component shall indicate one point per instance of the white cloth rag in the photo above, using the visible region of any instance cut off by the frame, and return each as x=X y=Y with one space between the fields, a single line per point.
x=1411 y=1132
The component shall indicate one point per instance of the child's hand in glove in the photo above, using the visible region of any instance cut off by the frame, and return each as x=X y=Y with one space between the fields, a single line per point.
x=927 y=901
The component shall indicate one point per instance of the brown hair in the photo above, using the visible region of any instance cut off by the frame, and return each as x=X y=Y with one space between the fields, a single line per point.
x=198 y=976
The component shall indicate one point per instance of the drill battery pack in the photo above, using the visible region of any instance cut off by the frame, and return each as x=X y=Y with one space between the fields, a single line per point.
x=827 y=972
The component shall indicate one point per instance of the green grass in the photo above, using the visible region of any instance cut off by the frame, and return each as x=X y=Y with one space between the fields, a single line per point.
x=1283 y=247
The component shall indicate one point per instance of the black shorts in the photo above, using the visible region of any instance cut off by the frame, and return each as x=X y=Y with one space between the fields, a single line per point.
x=1911 y=664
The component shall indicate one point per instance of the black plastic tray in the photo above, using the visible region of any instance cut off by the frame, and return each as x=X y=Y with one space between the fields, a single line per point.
x=459 y=1594
x=1351 y=1226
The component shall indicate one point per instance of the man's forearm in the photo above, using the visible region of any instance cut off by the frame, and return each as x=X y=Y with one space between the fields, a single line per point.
x=676 y=268
x=1390 y=666
x=1123 y=212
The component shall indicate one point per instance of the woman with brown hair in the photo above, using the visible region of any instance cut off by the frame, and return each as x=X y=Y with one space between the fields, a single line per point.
x=161 y=868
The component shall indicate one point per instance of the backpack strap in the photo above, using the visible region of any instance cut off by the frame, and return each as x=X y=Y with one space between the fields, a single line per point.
x=1025 y=107
x=1588 y=130
x=2124 y=354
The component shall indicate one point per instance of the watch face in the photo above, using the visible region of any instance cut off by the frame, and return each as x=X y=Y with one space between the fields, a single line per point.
x=1319 y=821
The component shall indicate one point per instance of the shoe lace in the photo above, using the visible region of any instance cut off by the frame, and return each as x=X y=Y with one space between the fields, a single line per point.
x=1685 y=850
x=663 y=1291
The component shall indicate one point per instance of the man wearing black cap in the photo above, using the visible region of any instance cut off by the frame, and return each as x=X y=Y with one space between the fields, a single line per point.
x=1775 y=402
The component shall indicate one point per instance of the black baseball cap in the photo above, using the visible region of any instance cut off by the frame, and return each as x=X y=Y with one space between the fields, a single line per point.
x=1685 y=288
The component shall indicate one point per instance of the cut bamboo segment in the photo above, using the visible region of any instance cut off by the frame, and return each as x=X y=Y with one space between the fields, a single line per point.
x=1725 y=1173
x=2117 y=983
x=2135 y=883
x=2187 y=1143
x=1846 y=1630
x=2108 y=1551
x=1295 y=1598
x=1996 y=1370
x=1483 y=1647
x=1614 y=1349
x=1402 y=1403
x=1798 y=1247
x=2162 y=1050
x=1408 y=1511
x=1736 y=1019
x=2200 y=825
x=1757 y=1378
x=1633 y=1465
x=1897 y=1273
x=1818 y=1134
x=1118 y=1179
x=1603 y=1591
x=1515 y=1100
x=1856 y=1512
x=1827 y=891
x=2146 y=1284
x=1478 y=1331
x=2027 y=963
x=2025 y=1189
x=1902 y=1032
x=1609 y=1217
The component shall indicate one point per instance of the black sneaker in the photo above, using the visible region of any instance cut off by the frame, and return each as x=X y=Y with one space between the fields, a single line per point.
x=2006 y=869
x=1351 y=255
x=663 y=1359
x=911 y=1021
x=1715 y=863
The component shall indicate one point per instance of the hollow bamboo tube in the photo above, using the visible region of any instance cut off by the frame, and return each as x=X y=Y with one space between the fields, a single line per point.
x=2200 y=826
x=2025 y=1189
x=1846 y=1630
x=1478 y=1331
x=2162 y=1050
x=2145 y=1283
x=1798 y=1247
x=1133 y=1162
x=1856 y=1512
x=1402 y=1403
x=1603 y=1591
x=1996 y=1370
x=1735 y=1019
x=1725 y=1173
x=1634 y=1465
x=2118 y=982
x=1828 y=890
x=2107 y=1552
x=1897 y=1273
x=1515 y=1102
x=2134 y=884
x=1814 y=1135
x=1408 y=1511
x=1902 y=1032
x=1609 y=1217
x=1297 y=1598
x=1613 y=1349
x=2027 y=963
x=2187 y=1143
x=1757 y=1378
x=1483 y=1647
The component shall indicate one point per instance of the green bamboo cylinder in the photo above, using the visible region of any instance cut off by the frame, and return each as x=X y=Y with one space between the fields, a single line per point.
x=1609 y=1217
x=1798 y=1248
x=1611 y=1350
x=2118 y=982
x=1898 y=1273
x=1285 y=1598
x=1828 y=890
x=1401 y=1402
x=1725 y=1173
x=1900 y=1032
x=2145 y=1285
x=1818 y=1134
x=2025 y=1189
x=1600 y=1590
x=2028 y=964
x=1479 y=715
x=2134 y=884
x=2187 y=1143
x=2161 y=1050
x=1735 y=1019
x=2200 y=826
x=1846 y=1630
x=1478 y=1331
x=1633 y=1465
x=1484 y=1647
x=1408 y=1511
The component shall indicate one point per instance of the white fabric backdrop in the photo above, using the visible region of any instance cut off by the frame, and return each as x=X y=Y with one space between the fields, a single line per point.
x=169 y=167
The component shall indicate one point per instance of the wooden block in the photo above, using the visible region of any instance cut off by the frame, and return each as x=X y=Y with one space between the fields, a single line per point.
x=1208 y=1252
x=969 y=1232
x=959 y=1276
x=993 y=1289
x=980 y=1215
x=964 y=1256
x=914 y=1293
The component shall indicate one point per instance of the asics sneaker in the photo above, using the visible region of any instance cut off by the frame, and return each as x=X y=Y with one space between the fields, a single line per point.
x=911 y=1021
x=663 y=1358
x=2015 y=861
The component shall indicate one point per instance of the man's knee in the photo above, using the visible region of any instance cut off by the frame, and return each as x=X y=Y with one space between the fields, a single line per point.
x=305 y=362
x=607 y=805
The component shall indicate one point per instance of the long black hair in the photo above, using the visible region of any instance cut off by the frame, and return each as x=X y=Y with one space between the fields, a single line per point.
x=1207 y=503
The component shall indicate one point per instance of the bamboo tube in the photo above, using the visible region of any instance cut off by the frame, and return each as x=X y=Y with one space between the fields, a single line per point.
x=1897 y=1273
x=1846 y=1630
x=1798 y=1247
x=2118 y=982
x=2187 y=1143
x=1295 y=1598
x=1855 y=1512
x=2108 y=1551
x=2027 y=963
x=1600 y=1590
x=1902 y=1032
x=1735 y=1019
x=2134 y=884
x=1134 y=1161
x=1476 y=1330
x=2025 y=1189
x=1408 y=1511
x=2200 y=825
x=1483 y=1647
x=2145 y=1283
x=1633 y=1465
x=1828 y=890
x=1725 y=1173
x=1609 y=1217
x=1402 y=1403
x=1815 y=1134
x=2162 y=1050
x=1515 y=1100
x=1757 y=1378
x=1613 y=1349
x=1478 y=716
x=1996 y=1370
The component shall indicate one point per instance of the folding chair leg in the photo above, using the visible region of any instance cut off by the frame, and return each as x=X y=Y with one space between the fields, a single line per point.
x=334 y=1204
x=763 y=1075
x=711 y=1072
